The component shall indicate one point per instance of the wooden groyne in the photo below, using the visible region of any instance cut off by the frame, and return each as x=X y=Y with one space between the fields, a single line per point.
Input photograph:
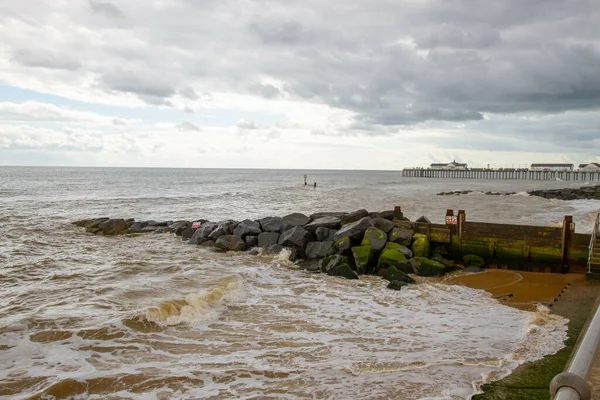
x=522 y=247
x=522 y=174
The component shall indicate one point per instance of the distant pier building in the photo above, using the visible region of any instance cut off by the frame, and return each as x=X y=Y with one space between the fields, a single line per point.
x=589 y=167
x=552 y=167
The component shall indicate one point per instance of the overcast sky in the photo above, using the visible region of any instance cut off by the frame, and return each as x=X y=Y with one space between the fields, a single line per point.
x=345 y=84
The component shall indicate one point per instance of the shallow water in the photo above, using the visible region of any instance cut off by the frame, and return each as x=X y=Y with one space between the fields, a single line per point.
x=151 y=317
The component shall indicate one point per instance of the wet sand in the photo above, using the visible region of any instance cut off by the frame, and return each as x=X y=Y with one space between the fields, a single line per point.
x=570 y=296
x=520 y=289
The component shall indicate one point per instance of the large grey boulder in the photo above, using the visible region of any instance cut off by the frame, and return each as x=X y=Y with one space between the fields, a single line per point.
x=401 y=236
x=187 y=233
x=251 y=241
x=389 y=215
x=247 y=227
x=292 y=220
x=230 y=242
x=383 y=224
x=137 y=227
x=354 y=216
x=270 y=224
x=323 y=222
x=424 y=219
x=296 y=237
x=354 y=230
x=113 y=227
x=318 y=215
x=266 y=239
x=317 y=250
x=324 y=234
x=222 y=229
x=204 y=230
x=273 y=249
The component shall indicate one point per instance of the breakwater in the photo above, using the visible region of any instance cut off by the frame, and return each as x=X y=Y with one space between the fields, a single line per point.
x=522 y=174
x=582 y=193
x=380 y=243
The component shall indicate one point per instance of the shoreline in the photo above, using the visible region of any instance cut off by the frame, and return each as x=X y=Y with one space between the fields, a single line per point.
x=568 y=295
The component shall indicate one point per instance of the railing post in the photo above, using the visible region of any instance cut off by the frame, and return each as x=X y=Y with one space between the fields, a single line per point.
x=566 y=236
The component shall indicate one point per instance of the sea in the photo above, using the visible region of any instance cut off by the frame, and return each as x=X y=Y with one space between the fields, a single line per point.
x=151 y=317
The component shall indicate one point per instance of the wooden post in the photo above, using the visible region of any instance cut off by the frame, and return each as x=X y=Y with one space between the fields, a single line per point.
x=460 y=222
x=449 y=215
x=398 y=213
x=567 y=229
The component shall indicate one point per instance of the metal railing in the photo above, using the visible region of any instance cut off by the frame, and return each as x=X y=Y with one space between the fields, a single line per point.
x=592 y=242
x=571 y=384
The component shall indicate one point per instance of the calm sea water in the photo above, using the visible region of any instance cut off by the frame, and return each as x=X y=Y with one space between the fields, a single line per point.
x=142 y=317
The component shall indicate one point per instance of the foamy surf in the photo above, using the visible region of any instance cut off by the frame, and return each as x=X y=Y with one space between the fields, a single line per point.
x=206 y=305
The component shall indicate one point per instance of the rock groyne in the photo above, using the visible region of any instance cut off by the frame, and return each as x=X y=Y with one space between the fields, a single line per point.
x=339 y=244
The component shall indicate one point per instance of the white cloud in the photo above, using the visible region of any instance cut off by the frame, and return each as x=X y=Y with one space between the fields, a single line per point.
x=33 y=111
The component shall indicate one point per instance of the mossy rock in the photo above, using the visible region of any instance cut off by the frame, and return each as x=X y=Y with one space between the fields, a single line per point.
x=393 y=258
x=473 y=260
x=426 y=267
x=343 y=270
x=420 y=246
x=401 y=236
x=394 y=274
x=341 y=246
x=448 y=264
x=363 y=258
x=330 y=262
x=374 y=237
x=399 y=247
x=396 y=285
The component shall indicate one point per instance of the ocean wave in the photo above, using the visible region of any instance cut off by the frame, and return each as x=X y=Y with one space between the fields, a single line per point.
x=206 y=305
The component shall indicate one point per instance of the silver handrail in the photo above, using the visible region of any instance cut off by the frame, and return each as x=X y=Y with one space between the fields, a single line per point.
x=592 y=242
x=571 y=384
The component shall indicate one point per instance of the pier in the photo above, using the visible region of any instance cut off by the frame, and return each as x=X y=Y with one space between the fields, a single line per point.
x=484 y=173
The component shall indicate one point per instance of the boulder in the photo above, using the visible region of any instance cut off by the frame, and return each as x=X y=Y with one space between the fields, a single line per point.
x=441 y=249
x=247 y=227
x=473 y=260
x=344 y=271
x=383 y=224
x=341 y=246
x=273 y=249
x=230 y=242
x=318 y=215
x=187 y=233
x=222 y=229
x=330 y=262
x=389 y=215
x=396 y=285
x=354 y=230
x=207 y=243
x=426 y=267
x=354 y=216
x=376 y=238
x=363 y=258
x=251 y=241
x=420 y=246
x=204 y=230
x=324 y=234
x=398 y=247
x=424 y=219
x=292 y=220
x=323 y=222
x=137 y=227
x=270 y=224
x=448 y=264
x=266 y=239
x=296 y=237
x=90 y=223
x=113 y=227
x=401 y=236
x=394 y=274
x=317 y=250
x=393 y=258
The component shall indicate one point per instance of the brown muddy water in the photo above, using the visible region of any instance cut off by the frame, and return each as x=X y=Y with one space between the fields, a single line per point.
x=143 y=317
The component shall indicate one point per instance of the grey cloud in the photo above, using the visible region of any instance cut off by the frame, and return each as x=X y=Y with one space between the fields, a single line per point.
x=188 y=126
x=250 y=125
x=106 y=8
x=44 y=58
x=146 y=84
x=265 y=90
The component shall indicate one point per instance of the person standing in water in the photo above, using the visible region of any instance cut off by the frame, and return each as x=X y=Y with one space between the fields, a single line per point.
x=315 y=185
